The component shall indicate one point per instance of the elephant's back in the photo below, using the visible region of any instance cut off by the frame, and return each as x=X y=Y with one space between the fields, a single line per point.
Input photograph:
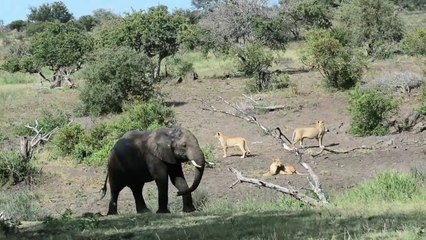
x=127 y=158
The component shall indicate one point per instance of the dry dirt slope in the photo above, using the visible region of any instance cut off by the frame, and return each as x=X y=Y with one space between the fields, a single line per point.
x=77 y=188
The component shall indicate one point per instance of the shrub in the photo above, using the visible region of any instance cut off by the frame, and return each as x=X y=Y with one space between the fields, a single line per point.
x=13 y=169
x=115 y=76
x=50 y=120
x=93 y=145
x=275 y=82
x=388 y=186
x=253 y=59
x=178 y=67
x=414 y=43
x=67 y=138
x=422 y=108
x=341 y=66
x=370 y=110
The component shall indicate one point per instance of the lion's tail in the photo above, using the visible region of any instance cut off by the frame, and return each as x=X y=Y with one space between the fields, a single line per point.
x=104 y=189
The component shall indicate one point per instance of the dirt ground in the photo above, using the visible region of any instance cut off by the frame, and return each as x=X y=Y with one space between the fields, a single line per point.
x=78 y=188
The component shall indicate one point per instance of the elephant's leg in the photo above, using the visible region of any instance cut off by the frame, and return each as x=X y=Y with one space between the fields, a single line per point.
x=115 y=190
x=139 y=201
x=178 y=180
x=161 y=179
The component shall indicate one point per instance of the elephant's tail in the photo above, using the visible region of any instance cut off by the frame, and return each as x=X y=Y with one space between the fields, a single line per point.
x=104 y=189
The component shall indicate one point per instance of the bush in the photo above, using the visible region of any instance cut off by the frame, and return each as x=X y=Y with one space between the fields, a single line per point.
x=275 y=82
x=253 y=59
x=422 y=108
x=414 y=43
x=49 y=121
x=93 y=146
x=388 y=186
x=208 y=153
x=67 y=138
x=178 y=67
x=341 y=66
x=13 y=169
x=115 y=76
x=370 y=110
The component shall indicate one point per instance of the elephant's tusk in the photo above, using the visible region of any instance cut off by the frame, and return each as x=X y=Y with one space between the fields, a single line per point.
x=195 y=164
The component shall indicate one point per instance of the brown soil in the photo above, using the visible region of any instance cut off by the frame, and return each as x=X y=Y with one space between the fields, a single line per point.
x=77 y=187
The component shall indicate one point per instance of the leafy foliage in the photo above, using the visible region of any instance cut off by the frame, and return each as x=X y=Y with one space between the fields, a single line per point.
x=19 y=25
x=414 y=43
x=341 y=66
x=370 y=110
x=115 y=76
x=374 y=25
x=273 y=32
x=13 y=169
x=87 y=22
x=57 y=11
x=410 y=4
x=422 y=108
x=178 y=67
x=60 y=45
x=92 y=146
x=307 y=15
x=253 y=58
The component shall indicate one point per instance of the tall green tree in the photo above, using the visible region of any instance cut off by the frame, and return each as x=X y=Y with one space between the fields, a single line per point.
x=158 y=30
x=57 y=11
x=374 y=25
x=61 y=47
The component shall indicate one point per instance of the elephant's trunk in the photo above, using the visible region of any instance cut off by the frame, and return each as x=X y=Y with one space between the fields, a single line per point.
x=199 y=170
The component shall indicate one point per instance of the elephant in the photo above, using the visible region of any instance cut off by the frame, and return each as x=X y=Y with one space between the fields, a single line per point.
x=143 y=156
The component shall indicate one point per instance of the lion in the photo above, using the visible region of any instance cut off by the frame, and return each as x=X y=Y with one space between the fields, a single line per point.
x=226 y=142
x=316 y=132
x=277 y=167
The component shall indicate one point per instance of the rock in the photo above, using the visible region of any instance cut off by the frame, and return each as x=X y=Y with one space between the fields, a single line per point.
x=419 y=127
x=388 y=143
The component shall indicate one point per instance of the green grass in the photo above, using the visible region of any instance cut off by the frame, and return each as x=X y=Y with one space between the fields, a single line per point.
x=301 y=224
x=353 y=216
x=414 y=19
x=16 y=78
x=210 y=66
x=21 y=205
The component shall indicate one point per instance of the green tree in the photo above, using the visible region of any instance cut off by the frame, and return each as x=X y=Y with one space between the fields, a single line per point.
x=61 y=47
x=115 y=76
x=19 y=25
x=340 y=65
x=158 y=30
x=374 y=25
x=57 y=11
x=155 y=32
x=308 y=14
x=87 y=22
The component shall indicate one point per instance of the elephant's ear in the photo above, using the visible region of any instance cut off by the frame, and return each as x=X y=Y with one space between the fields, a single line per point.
x=160 y=145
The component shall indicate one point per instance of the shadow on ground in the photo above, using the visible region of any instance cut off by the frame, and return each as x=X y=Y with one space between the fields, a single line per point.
x=265 y=225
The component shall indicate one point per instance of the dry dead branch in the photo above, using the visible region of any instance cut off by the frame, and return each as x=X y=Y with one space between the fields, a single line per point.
x=278 y=135
x=289 y=191
x=339 y=151
x=27 y=146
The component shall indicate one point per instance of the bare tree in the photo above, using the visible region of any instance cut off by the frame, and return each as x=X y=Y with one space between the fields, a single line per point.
x=230 y=21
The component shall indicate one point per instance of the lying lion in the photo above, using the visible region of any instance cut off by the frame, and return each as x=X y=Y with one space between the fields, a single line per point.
x=278 y=168
x=316 y=132
x=227 y=142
